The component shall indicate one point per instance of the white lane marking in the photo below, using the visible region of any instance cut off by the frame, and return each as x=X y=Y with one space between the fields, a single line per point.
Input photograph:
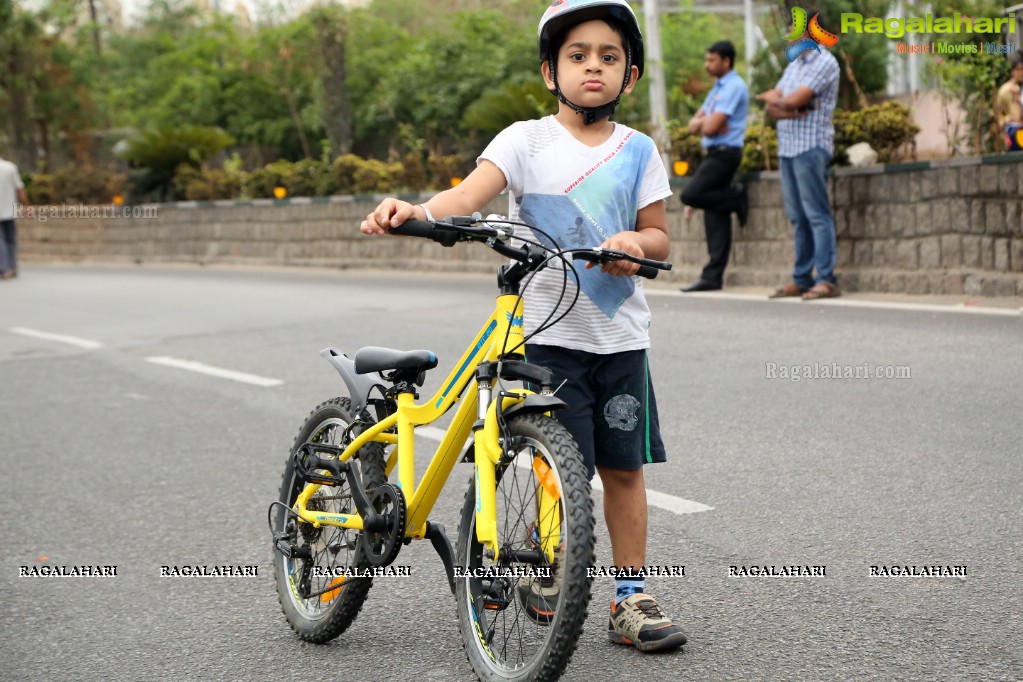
x=60 y=338
x=848 y=303
x=676 y=505
x=215 y=371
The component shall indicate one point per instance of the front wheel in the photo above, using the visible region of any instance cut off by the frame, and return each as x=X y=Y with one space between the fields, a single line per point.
x=521 y=616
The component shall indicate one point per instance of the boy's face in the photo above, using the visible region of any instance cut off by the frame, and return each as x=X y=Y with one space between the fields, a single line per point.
x=591 y=65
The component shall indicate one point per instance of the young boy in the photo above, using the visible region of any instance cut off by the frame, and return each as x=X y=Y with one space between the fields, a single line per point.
x=588 y=182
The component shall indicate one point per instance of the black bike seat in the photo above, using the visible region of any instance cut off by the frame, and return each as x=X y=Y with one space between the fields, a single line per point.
x=374 y=359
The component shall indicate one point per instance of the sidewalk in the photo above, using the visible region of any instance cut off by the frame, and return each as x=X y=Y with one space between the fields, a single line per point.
x=1002 y=305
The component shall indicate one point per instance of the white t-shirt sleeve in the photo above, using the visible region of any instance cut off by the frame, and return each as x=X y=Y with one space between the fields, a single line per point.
x=654 y=186
x=504 y=151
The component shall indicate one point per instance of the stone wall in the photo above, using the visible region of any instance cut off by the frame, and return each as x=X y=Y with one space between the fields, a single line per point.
x=941 y=228
x=953 y=227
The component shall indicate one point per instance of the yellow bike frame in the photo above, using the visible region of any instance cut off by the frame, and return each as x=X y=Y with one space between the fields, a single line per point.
x=501 y=333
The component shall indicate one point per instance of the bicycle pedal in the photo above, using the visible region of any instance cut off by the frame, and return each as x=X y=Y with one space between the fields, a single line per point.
x=309 y=464
x=321 y=479
x=495 y=597
x=292 y=551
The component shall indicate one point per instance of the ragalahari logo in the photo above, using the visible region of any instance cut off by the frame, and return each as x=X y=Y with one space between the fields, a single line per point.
x=818 y=36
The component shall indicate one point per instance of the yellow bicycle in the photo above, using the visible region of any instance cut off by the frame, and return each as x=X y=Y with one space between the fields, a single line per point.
x=349 y=499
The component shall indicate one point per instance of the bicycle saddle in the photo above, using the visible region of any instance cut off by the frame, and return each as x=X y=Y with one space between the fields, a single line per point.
x=374 y=359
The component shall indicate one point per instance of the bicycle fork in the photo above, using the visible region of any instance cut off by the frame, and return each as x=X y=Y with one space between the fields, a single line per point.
x=493 y=449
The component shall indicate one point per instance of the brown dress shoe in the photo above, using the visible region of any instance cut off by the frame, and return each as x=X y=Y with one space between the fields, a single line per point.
x=822 y=290
x=789 y=290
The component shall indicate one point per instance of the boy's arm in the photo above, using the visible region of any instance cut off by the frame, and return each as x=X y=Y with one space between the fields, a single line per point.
x=471 y=195
x=648 y=240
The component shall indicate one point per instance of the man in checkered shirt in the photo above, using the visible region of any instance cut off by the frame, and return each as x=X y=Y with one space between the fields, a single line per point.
x=803 y=102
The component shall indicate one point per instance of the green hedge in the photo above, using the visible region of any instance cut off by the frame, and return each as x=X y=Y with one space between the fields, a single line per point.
x=349 y=174
x=73 y=185
x=888 y=128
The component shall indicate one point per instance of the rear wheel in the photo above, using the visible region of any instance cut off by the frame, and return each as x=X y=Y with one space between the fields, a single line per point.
x=516 y=625
x=318 y=603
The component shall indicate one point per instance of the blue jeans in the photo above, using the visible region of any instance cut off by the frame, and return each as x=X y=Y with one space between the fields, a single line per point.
x=8 y=246
x=804 y=189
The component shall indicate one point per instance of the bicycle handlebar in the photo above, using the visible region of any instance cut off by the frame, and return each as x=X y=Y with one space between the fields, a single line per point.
x=449 y=233
x=647 y=268
x=415 y=228
x=459 y=229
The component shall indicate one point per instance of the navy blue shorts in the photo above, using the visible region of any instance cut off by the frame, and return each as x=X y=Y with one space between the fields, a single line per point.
x=612 y=413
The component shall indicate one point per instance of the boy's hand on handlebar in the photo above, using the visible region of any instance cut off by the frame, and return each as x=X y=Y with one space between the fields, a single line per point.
x=623 y=241
x=390 y=213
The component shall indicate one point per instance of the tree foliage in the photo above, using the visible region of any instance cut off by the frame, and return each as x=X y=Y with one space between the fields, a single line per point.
x=401 y=81
x=393 y=78
x=862 y=58
x=968 y=82
x=159 y=152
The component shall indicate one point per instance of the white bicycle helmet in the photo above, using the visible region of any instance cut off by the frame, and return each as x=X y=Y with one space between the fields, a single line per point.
x=563 y=14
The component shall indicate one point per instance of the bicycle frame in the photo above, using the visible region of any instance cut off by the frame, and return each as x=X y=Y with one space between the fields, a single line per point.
x=503 y=330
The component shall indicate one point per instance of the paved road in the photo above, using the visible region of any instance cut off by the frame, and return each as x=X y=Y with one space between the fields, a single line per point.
x=110 y=459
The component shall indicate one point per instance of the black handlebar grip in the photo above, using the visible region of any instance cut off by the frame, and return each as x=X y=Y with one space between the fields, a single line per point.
x=415 y=228
x=657 y=264
x=647 y=271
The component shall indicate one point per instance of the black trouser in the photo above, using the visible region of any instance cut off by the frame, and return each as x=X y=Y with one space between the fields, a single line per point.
x=711 y=190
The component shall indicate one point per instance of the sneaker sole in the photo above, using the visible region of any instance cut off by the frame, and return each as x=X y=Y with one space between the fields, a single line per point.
x=534 y=614
x=539 y=617
x=670 y=642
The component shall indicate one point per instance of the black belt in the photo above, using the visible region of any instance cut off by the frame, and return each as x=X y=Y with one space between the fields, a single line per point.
x=722 y=148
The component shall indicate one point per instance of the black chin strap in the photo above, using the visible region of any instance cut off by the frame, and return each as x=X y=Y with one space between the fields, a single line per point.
x=592 y=114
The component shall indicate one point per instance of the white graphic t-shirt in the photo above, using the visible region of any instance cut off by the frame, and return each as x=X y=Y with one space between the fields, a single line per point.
x=581 y=195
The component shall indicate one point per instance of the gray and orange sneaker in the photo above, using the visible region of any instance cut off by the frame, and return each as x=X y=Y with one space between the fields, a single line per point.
x=638 y=621
x=539 y=596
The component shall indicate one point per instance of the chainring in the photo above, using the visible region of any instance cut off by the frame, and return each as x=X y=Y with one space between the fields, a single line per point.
x=381 y=548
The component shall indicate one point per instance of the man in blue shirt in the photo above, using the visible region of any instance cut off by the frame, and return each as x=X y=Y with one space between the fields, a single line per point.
x=721 y=122
x=803 y=103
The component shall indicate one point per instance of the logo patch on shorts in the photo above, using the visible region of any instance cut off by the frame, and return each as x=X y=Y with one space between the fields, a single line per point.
x=621 y=412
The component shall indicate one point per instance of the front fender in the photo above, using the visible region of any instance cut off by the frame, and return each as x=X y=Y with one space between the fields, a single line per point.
x=359 y=385
x=514 y=403
x=536 y=402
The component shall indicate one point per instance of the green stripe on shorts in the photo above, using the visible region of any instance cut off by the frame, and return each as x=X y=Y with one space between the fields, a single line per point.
x=646 y=404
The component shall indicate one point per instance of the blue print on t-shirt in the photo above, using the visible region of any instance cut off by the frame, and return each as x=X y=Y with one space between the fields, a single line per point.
x=559 y=217
x=599 y=204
